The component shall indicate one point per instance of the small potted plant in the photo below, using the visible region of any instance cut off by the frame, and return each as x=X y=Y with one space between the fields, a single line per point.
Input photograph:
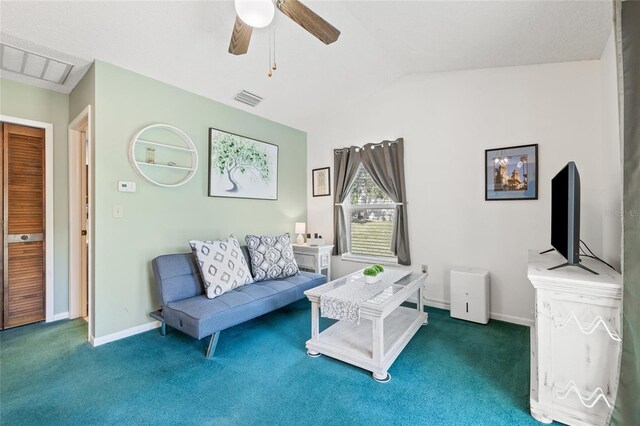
x=373 y=273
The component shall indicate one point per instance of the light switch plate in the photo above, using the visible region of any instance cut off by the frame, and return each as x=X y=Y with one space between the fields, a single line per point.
x=126 y=186
x=118 y=211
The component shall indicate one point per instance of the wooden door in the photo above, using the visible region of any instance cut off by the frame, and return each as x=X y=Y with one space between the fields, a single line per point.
x=23 y=207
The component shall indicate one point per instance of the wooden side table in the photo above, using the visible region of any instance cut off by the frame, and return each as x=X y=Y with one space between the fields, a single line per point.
x=314 y=258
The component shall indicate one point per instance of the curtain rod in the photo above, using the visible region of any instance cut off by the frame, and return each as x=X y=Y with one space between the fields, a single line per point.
x=370 y=145
x=364 y=206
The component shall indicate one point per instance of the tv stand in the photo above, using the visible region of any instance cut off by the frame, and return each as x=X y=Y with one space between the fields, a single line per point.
x=547 y=251
x=575 y=341
x=572 y=264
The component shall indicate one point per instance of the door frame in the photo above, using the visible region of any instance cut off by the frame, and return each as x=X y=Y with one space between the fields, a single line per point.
x=48 y=223
x=82 y=123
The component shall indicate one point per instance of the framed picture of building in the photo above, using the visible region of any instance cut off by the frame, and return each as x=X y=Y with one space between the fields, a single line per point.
x=511 y=173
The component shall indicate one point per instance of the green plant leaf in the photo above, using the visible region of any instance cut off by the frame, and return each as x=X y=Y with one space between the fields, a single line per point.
x=370 y=271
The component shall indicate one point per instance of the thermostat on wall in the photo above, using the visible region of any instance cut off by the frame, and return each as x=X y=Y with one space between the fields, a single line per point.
x=125 y=186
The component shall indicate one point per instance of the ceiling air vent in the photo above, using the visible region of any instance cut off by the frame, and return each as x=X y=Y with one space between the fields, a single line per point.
x=33 y=64
x=248 y=98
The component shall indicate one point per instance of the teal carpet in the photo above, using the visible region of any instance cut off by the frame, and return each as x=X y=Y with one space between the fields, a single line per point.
x=452 y=372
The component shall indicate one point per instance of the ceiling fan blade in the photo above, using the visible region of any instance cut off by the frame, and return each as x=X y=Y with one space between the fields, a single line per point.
x=309 y=20
x=240 y=37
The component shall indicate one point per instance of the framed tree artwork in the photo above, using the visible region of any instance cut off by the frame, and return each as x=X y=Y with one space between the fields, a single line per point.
x=321 y=182
x=241 y=167
x=511 y=173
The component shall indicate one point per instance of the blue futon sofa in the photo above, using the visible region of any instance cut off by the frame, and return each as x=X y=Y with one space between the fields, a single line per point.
x=185 y=306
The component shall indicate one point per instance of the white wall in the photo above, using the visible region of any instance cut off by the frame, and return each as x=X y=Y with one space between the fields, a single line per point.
x=611 y=158
x=447 y=121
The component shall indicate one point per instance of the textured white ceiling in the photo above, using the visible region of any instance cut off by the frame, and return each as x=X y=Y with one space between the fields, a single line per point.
x=185 y=43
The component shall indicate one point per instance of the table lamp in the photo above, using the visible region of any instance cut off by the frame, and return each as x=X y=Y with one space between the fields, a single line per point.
x=300 y=228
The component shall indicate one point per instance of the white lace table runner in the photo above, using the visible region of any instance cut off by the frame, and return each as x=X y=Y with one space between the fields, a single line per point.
x=343 y=303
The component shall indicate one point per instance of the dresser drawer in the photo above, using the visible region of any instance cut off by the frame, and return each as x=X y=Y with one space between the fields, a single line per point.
x=305 y=260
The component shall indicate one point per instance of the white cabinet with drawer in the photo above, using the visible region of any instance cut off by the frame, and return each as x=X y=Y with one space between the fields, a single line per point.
x=575 y=341
x=313 y=258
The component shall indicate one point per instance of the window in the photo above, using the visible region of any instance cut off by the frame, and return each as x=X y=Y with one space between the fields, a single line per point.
x=370 y=216
x=366 y=219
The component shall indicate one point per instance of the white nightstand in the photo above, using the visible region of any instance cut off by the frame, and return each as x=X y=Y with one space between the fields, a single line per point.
x=314 y=258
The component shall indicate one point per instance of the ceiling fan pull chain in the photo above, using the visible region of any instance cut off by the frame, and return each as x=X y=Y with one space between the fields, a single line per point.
x=269 y=66
x=274 y=67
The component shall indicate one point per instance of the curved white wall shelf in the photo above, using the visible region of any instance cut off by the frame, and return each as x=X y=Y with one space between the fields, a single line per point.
x=140 y=165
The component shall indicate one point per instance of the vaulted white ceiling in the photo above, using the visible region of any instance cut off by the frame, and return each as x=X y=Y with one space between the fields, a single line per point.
x=184 y=43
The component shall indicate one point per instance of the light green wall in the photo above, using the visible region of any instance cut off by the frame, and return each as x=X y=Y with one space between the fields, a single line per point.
x=161 y=220
x=156 y=220
x=32 y=103
x=83 y=94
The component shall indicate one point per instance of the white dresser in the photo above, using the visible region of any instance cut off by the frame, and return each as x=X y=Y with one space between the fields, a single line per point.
x=575 y=341
x=314 y=258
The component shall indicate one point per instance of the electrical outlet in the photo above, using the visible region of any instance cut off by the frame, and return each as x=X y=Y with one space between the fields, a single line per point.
x=425 y=269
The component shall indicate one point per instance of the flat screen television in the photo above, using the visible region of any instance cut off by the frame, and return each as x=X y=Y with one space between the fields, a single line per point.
x=565 y=215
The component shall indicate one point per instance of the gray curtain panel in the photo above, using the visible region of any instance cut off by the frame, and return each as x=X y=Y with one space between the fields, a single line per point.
x=345 y=167
x=385 y=164
x=627 y=408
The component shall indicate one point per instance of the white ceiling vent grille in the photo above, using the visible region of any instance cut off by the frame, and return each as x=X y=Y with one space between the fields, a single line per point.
x=248 y=98
x=33 y=64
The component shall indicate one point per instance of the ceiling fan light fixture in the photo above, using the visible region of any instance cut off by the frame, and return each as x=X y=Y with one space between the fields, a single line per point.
x=255 y=13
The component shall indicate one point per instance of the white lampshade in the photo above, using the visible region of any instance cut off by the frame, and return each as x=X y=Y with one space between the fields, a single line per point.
x=255 y=13
x=300 y=227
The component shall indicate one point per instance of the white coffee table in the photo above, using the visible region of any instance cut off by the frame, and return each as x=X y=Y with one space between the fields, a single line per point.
x=385 y=327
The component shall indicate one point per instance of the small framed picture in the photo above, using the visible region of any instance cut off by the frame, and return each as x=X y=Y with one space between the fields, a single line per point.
x=321 y=182
x=511 y=173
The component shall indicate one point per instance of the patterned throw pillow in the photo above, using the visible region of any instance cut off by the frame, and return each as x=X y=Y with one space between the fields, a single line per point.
x=222 y=265
x=271 y=257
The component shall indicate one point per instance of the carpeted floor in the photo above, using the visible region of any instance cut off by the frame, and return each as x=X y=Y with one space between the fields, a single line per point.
x=452 y=372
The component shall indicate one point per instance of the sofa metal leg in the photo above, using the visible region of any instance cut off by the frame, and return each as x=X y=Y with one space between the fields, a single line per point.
x=212 y=344
x=163 y=329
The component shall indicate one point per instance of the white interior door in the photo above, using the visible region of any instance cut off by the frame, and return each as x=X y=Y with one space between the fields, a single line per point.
x=84 y=227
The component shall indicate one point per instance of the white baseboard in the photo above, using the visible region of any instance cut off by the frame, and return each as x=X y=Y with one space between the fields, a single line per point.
x=60 y=316
x=436 y=303
x=443 y=304
x=512 y=319
x=97 y=341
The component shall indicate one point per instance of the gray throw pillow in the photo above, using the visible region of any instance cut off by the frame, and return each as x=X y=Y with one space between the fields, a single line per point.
x=222 y=265
x=271 y=257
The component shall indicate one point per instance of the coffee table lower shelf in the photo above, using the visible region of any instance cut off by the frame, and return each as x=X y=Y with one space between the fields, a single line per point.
x=355 y=344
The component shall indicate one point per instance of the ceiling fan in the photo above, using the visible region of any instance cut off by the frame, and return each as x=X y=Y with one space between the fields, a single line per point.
x=252 y=14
